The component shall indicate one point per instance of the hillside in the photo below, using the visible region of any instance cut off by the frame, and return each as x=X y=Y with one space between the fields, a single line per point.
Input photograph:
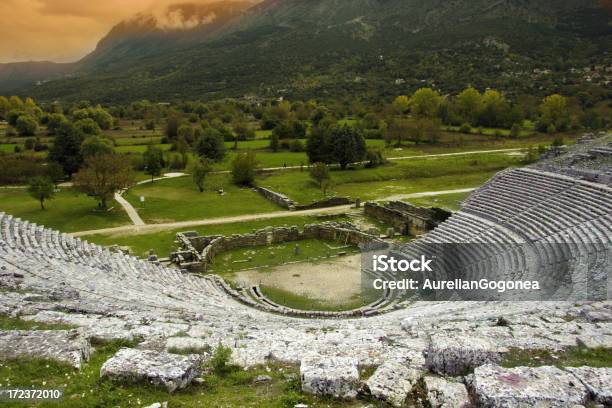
x=322 y=47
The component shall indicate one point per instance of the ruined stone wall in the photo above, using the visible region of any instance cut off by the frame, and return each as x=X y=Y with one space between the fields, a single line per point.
x=276 y=198
x=328 y=202
x=389 y=216
x=216 y=244
x=403 y=216
x=345 y=232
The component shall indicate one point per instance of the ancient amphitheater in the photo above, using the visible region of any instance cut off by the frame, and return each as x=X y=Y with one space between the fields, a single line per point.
x=52 y=277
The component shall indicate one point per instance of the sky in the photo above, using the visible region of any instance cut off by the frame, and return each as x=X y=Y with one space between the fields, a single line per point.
x=62 y=30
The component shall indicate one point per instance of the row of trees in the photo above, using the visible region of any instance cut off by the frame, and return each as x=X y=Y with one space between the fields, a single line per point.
x=488 y=109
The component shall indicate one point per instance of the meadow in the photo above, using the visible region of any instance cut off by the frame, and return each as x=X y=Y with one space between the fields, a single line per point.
x=68 y=211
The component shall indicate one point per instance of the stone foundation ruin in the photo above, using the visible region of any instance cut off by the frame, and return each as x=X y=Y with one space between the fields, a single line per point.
x=407 y=219
x=197 y=252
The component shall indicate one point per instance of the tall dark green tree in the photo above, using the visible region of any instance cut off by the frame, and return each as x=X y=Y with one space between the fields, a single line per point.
x=153 y=159
x=210 y=145
x=347 y=145
x=66 y=150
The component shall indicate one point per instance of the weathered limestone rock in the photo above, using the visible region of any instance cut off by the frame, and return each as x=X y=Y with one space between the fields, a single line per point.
x=525 y=386
x=66 y=346
x=337 y=377
x=162 y=369
x=591 y=341
x=455 y=355
x=446 y=394
x=597 y=380
x=187 y=344
x=392 y=382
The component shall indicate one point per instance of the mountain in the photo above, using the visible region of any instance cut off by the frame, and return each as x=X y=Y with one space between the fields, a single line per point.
x=335 y=48
x=17 y=75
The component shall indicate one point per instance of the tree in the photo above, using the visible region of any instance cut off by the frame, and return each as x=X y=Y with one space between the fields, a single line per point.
x=16 y=102
x=5 y=107
x=54 y=172
x=317 y=147
x=186 y=133
x=347 y=145
x=171 y=128
x=41 y=188
x=54 y=121
x=101 y=117
x=66 y=149
x=94 y=145
x=26 y=125
x=199 y=171
x=468 y=105
x=401 y=104
x=243 y=131
x=274 y=142
x=103 y=175
x=153 y=159
x=515 y=131
x=425 y=103
x=88 y=126
x=554 y=111
x=319 y=172
x=398 y=131
x=244 y=167
x=424 y=129
x=211 y=145
x=495 y=109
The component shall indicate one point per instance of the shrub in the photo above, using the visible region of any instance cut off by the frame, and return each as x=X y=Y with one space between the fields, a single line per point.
x=374 y=158
x=296 y=146
x=515 y=131
x=465 y=128
x=220 y=360
x=243 y=168
x=29 y=144
x=26 y=125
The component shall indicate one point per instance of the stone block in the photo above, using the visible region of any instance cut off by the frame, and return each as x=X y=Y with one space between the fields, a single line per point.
x=495 y=386
x=457 y=354
x=597 y=380
x=442 y=393
x=336 y=377
x=158 y=368
x=392 y=382
x=65 y=346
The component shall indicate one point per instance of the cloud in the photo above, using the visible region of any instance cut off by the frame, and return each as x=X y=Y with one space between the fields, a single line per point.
x=66 y=30
x=58 y=30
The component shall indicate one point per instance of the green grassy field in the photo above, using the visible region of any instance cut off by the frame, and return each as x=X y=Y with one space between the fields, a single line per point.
x=8 y=147
x=139 y=148
x=67 y=211
x=300 y=302
x=179 y=200
x=400 y=177
x=163 y=242
x=274 y=255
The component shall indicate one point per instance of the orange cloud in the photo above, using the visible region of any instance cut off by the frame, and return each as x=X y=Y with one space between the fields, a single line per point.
x=58 y=30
